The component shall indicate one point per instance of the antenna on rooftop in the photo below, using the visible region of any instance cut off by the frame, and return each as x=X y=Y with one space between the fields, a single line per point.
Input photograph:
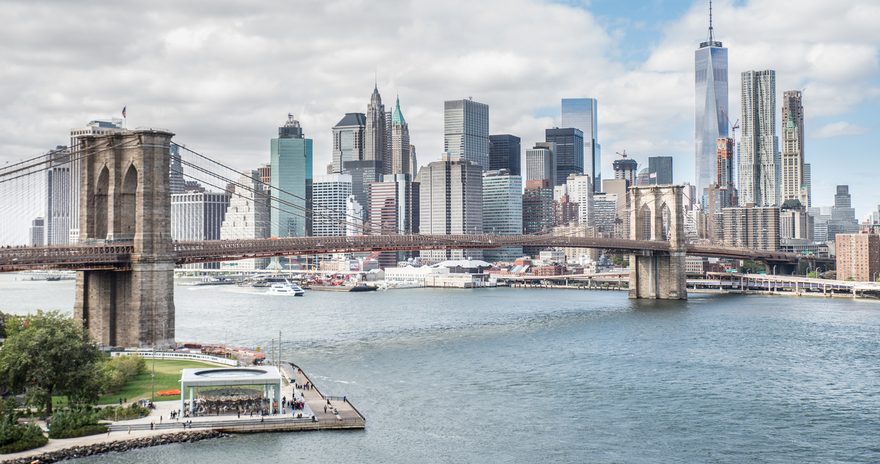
x=711 y=33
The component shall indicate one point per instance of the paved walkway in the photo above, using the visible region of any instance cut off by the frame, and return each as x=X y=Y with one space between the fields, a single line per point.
x=338 y=410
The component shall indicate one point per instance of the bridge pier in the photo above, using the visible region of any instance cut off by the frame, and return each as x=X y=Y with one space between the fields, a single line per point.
x=658 y=214
x=124 y=197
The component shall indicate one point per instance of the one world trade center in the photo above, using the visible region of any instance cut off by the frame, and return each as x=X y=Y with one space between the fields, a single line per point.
x=712 y=117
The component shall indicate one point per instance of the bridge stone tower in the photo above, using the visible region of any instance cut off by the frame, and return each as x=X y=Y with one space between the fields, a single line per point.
x=124 y=197
x=657 y=214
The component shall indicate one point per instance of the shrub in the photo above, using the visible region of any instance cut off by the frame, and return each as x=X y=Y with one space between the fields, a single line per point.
x=77 y=422
x=116 y=372
x=113 y=413
x=15 y=437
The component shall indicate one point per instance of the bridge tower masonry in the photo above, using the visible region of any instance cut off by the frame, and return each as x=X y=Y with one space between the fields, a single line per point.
x=657 y=214
x=124 y=197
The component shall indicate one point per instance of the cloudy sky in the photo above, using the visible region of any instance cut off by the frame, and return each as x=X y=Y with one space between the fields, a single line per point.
x=223 y=74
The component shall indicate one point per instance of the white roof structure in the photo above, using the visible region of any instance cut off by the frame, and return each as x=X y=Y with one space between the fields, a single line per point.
x=226 y=376
x=268 y=376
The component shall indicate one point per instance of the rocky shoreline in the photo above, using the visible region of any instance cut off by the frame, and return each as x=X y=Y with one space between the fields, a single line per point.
x=119 y=446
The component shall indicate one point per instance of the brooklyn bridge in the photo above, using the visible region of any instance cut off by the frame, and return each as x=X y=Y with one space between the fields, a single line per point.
x=126 y=256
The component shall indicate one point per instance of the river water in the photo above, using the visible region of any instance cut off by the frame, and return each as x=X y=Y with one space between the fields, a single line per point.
x=515 y=375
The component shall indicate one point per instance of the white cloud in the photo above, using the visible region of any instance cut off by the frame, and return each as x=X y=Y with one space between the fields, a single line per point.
x=839 y=129
x=223 y=74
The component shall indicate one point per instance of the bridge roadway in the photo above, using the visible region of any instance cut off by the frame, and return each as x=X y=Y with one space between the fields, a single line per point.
x=118 y=256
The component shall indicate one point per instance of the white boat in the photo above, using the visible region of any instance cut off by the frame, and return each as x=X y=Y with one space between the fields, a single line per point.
x=286 y=289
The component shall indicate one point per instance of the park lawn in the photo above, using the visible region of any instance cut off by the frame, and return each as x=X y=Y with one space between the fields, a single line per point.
x=167 y=378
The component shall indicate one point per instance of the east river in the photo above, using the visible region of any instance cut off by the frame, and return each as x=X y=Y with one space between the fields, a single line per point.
x=511 y=375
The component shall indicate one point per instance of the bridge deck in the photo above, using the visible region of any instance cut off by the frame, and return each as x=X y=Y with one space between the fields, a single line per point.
x=119 y=255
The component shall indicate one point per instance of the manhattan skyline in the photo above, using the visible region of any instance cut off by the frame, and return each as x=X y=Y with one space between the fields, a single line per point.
x=221 y=78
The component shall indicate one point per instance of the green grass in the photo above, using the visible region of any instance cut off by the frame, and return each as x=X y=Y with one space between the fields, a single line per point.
x=167 y=378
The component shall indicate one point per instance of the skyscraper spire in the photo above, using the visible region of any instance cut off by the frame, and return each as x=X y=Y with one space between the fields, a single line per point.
x=711 y=32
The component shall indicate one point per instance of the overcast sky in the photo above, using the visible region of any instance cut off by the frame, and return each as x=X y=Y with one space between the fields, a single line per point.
x=223 y=74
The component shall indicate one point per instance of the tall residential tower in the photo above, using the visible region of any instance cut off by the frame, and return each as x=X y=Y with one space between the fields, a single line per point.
x=758 y=153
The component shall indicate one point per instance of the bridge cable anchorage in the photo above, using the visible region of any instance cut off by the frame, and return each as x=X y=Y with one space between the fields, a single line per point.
x=260 y=181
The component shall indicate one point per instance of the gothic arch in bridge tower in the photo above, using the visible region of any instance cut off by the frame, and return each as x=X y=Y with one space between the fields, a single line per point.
x=658 y=214
x=102 y=204
x=125 y=223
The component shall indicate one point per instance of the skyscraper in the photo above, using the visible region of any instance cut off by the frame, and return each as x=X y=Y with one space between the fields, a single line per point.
x=724 y=180
x=659 y=170
x=758 y=154
x=580 y=191
x=504 y=153
x=569 y=153
x=37 y=232
x=92 y=128
x=582 y=113
x=394 y=210
x=451 y=202
x=198 y=215
x=537 y=204
x=843 y=215
x=625 y=168
x=58 y=191
x=247 y=217
x=502 y=211
x=540 y=164
x=176 y=181
x=291 y=171
x=712 y=118
x=794 y=185
x=330 y=194
x=348 y=140
x=466 y=131
x=400 y=147
x=376 y=131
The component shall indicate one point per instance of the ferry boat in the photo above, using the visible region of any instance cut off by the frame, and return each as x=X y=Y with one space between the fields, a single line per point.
x=286 y=289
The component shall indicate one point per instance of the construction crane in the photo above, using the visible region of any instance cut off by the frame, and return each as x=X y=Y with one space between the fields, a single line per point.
x=622 y=155
x=733 y=129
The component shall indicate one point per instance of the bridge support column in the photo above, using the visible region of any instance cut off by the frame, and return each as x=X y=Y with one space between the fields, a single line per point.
x=125 y=197
x=657 y=214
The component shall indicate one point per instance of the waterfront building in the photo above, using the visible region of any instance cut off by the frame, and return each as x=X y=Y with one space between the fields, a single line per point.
x=37 y=232
x=400 y=146
x=568 y=154
x=450 y=202
x=858 y=257
x=751 y=227
x=330 y=197
x=502 y=212
x=198 y=215
x=793 y=182
x=659 y=170
x=711 y=120
x=582 y=113
x=58 y=191
x=466 y=131
x=97 y=127
x=504 y=153
x=625 y=168
x=759 y=163
x=348 y=140
x=393 y=210
x=540 y=164
x=376 y=132
x=794 y=222
x=537 y=206
x=605 y=214
x=291 y=171
x=247 y=218
x=580 y=189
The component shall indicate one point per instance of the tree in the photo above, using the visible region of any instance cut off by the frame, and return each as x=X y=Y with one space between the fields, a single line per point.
x=48 y=354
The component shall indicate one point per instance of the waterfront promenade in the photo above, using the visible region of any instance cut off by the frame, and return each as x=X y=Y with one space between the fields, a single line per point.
x=339 y=414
